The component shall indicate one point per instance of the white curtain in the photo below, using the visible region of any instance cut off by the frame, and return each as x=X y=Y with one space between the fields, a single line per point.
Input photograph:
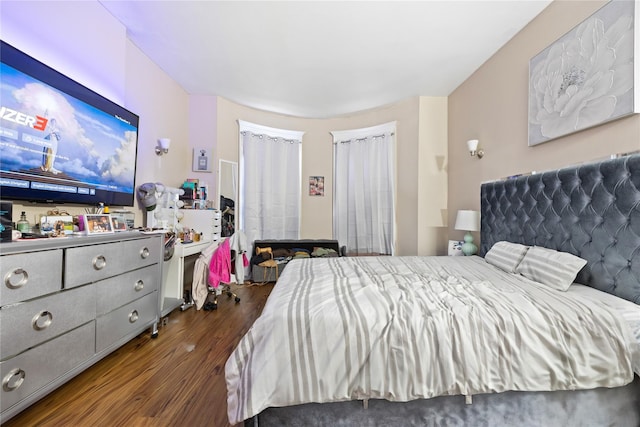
x=364 y=189
x=270 y=182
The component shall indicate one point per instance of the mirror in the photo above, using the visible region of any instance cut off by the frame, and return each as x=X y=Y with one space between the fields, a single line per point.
x=228 y=193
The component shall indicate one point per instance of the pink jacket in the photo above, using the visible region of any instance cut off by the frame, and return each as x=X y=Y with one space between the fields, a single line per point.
x=220 y=265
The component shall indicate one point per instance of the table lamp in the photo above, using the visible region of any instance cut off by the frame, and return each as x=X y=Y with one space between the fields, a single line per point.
x=468 y=221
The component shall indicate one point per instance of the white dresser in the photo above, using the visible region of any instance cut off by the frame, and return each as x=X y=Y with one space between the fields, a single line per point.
x=205 y=221
x=66 y=303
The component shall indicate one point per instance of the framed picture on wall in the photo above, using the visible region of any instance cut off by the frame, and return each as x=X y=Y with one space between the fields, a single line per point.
x=316 y=185
x=202 y=160
x=587 y=77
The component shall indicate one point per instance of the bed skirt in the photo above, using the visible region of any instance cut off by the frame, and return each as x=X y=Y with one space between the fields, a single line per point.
x=619 y=407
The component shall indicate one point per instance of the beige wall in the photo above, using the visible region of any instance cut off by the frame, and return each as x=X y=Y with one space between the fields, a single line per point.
x=415 y=232
x=163 y=108
x=203 y=129
x=492 y=106
x=432 y=177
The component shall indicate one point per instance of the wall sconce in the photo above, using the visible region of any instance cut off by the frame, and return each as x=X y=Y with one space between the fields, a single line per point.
x=473 y=148
x=163 y=146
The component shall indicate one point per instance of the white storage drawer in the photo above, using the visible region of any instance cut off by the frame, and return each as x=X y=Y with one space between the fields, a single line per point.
x=24 y=325
x=205 y=221
x=26 y=373
x=125 y=320
x=30 y=275
x=87 y=264
x=117 y=291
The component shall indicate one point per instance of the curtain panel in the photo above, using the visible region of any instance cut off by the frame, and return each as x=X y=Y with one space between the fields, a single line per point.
x=364 y=189
x=270 y=187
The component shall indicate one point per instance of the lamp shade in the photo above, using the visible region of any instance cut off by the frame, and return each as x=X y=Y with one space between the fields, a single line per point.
x=468 y=220
x=472 y=144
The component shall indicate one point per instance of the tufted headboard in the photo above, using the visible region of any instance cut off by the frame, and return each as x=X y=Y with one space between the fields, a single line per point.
x=591 y=210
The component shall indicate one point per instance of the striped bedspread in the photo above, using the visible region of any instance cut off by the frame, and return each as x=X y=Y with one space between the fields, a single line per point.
x=404 y=328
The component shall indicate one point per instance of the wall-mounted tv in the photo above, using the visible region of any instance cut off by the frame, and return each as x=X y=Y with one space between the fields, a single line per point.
x=61 y=142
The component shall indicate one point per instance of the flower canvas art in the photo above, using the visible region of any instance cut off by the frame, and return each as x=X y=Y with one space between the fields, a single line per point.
x=586 y=77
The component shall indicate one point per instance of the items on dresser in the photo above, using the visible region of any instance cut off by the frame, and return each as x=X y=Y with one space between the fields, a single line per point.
x=6 y=221
x=23 y=223
x=125 y=217
x=56 y=225
x=67 y=303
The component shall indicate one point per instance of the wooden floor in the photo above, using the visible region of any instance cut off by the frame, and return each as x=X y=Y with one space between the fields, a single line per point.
x=175 y=379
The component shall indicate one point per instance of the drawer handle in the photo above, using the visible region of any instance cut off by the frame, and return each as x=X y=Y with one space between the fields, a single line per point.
x=16 y=278
x=99 y=262
x=42 y=320
x=13 y=379
x=133 y=316
x=139 y=285
x=144 y=253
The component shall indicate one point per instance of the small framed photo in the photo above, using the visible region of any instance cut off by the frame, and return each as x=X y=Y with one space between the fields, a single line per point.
x=98 y=223
x=316 y=185
x=56 y=225
x=118 y=223
x=455 y=248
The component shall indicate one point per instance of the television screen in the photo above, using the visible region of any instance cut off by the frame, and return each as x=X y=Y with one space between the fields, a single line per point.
x=60 y=142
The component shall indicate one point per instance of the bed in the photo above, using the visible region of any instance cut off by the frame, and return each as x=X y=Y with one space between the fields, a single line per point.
x=464 y=340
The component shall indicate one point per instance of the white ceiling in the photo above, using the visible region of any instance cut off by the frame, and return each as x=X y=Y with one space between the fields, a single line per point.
x=321 y=58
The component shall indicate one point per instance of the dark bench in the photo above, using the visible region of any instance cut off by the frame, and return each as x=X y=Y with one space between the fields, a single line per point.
x=266 y=274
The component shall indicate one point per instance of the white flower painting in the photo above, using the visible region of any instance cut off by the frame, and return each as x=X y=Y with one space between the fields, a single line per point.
x=586 y=78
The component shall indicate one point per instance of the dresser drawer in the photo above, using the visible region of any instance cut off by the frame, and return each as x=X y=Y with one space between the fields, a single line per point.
x=87 y=264
x=26 y=373
x=29 y=275
x=126 y=320
x=141 y=253
x=120 y=290
x=27 y=324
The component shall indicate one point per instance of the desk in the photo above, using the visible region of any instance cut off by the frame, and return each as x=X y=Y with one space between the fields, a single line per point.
x=172 y=295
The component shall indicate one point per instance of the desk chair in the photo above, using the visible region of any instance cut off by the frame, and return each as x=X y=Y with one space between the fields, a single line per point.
x=225 y=257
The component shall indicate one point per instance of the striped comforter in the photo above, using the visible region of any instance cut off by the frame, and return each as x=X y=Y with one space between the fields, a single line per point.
x=404 y=328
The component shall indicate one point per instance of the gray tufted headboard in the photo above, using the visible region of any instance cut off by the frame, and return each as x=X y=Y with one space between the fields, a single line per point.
x=591 y=210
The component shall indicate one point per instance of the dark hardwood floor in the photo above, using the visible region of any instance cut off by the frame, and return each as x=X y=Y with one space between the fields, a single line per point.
x=175 y=379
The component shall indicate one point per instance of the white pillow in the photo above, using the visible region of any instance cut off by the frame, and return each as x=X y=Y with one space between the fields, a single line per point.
x=549 y=267
x=506 y=255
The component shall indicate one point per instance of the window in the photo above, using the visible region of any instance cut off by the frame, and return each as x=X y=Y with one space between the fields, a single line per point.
x=364 y=189
x=270 y=182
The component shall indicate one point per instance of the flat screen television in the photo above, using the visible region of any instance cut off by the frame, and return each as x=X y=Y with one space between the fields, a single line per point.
x=61 y=142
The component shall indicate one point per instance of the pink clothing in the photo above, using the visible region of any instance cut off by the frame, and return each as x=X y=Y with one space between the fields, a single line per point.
x=220 y=265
